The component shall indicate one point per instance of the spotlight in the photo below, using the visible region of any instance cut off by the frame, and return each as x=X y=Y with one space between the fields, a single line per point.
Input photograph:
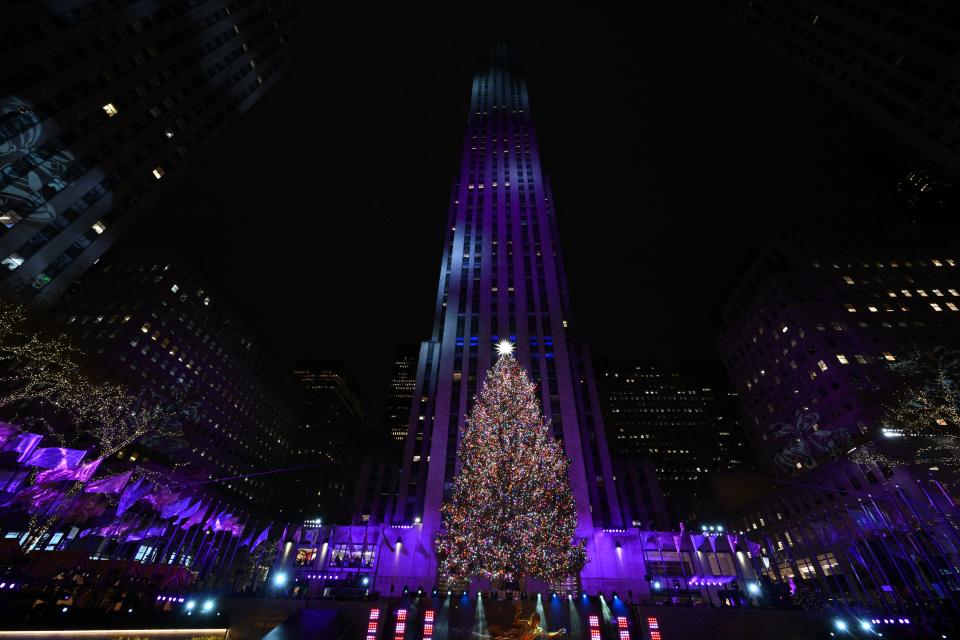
x=64 y=610
x=585 y=595
x=365 y=581
x=449 y=592
x=753 y=589
x=615 y=596
x=865 y=625
x=656 y=585
x=190 y=605
x=569 y=596
x=719 y=528
x=416 y=520
x=840 y=625
x=208 y=605
x=554 y=595
x=280 y=579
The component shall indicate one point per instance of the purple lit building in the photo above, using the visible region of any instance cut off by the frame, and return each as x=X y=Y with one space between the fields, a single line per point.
x=502 y=278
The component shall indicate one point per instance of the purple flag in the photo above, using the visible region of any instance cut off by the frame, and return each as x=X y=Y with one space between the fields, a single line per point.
x=52 y=457
x=131 y=494
x=85 y=471
x=260 y=538
x=7 y=431
x=55 y=475
x=214 y=519
x=110 y=484
x=162 y=498
x=174 y=509
x=143 y=534
x=196 y=518
x=189 y=511
x=24 y=444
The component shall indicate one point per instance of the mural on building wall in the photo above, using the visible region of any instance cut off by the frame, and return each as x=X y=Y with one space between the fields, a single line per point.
x=806 y=442
x=30 y=172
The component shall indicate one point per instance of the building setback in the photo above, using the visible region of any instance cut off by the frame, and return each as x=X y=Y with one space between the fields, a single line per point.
x=157 y=326
x=104 y=106
x=895 y=62
x=686 y=420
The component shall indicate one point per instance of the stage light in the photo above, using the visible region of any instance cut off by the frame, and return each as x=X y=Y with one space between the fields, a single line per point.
x=64 y=610
x=190 y=605
x=753 y=588
x=280 y=579
x=865 y=625
x=840 y=625
x=656 y=584
x=208 y=605
x=365 y=581
x=416 y=520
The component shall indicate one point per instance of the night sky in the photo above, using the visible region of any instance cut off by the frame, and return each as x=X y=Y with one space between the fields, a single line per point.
x=675 y=144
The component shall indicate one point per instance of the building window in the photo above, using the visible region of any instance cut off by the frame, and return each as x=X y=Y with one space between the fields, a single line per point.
x=158 y=173
x=110 y=109
x=12 y=261
x=842 y=358
x=99 y=227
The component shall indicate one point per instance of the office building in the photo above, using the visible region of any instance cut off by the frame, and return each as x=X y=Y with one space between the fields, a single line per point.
x=159 y=327
x=104 y=106
x=326 y=451
x=686 y=420
x=894 y=62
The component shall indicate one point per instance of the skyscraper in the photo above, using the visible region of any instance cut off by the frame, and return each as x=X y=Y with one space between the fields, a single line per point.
x=894 y=62
x=324 y=455
x=156 y=325
x=502 y=278
x=403 y=382
x=104 y=105
x=685 y=419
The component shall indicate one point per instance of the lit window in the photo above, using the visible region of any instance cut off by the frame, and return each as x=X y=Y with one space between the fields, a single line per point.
x=935 y=306
x=888 y=356
x=12 y=261
x=175 y=288
x=110 y=109
x=906 y=293
x=842 y=358
x=848 y=279
x=158 y=173
x=860 y=359
x=822 y=365
x=923 y=294
x=951 y=306
x=850 y=308
x=872 y=309
x=99 y=227
x=9 y=218
x=938 y=293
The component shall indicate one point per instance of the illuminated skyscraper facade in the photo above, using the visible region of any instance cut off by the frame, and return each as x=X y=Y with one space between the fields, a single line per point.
x=502 y=277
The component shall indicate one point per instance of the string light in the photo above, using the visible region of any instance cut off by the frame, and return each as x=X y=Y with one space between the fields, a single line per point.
x=512 y=512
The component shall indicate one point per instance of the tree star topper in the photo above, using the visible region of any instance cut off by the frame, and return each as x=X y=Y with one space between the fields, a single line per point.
x=504 y=348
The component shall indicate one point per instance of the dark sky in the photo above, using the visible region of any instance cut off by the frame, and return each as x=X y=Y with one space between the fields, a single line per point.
x=675 y=145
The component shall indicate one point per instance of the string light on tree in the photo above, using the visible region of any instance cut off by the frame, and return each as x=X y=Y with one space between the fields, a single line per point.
x=511 y=515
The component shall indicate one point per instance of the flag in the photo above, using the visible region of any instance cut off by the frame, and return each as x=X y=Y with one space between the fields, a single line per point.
x=143 y=534
x=7 y=431
x=85 y=471
x=176 y=508
x=55 y=475
x=24 y=444
x=161 y=498
x=132 y=493
x=196 y=517
x=55 y=457
x=189 y=511
x=110 y=484
x=260 y=538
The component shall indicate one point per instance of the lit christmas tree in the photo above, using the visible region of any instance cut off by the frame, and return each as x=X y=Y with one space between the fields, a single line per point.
x=512 y=513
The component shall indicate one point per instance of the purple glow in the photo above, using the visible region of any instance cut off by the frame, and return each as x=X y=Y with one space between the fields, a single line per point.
x=110 y=484
x=24 y=444
x=55 y=457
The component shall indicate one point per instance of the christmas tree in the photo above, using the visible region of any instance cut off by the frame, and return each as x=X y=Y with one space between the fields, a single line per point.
x=511 y=515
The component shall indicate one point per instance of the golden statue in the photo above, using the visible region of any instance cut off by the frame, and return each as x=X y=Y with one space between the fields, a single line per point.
x=527 y=629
